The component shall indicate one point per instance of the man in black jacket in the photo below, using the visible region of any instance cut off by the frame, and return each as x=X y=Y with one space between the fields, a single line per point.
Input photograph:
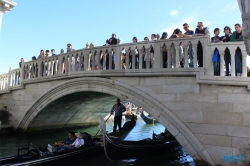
x=118 y=108
x=113 y=39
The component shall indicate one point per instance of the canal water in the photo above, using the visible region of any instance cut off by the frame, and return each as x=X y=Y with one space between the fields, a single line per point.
x=9 y=145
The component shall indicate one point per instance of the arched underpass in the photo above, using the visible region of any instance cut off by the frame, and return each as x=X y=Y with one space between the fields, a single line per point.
x=114 y=89
x=74 y=110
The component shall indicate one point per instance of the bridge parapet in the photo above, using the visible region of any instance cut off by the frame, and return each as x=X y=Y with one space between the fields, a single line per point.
x=88 y=61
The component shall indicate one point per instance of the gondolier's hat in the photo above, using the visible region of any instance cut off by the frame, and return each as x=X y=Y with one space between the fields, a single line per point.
x=79 y=135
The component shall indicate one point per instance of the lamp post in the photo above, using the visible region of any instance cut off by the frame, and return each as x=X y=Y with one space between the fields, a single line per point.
x=5 y=6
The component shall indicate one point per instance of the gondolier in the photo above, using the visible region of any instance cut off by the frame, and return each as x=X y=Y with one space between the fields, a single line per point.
x=118 y=108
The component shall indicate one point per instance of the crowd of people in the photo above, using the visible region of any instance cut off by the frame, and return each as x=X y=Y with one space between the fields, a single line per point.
x=201 y=30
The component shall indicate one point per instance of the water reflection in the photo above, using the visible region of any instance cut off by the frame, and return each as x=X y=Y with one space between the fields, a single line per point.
x=9 y=145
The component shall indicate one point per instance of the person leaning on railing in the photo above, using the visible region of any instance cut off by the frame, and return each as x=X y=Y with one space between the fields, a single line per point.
x=200 y=31
x=237 y=36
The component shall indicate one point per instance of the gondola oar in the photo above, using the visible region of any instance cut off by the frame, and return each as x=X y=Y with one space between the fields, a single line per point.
x=105 y=122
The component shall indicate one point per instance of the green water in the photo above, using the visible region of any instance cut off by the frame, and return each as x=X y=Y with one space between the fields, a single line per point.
x=9 y=145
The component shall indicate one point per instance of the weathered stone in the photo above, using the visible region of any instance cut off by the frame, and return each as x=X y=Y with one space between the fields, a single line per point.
x=240 y=142
x=231 y=98
x=216 y=107
x=152 y=81
x=215 y=140
x=238 y=131
x=221 y=89
x=197 y=97
x=222 y=118
x=189 y=116
x=164 y=97
x=183 y=106
x=207 y=129
x=180 y=81
x=241 y=107
x=176 y=89
x=205 y=89
x=218 y=153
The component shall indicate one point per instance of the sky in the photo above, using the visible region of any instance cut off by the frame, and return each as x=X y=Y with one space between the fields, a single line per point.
x=50 y=24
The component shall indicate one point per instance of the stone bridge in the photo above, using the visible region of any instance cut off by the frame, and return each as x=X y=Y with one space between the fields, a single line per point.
x=208 y=115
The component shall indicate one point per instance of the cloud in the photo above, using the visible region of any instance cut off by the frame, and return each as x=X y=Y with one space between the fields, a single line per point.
x=230 y=7
x=191 y=19
x=135 y=29
x=174 y=12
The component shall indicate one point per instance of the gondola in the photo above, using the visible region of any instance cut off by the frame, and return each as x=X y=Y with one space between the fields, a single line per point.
x=129 y=116
x=91 y=149
x=126 y=128
x=147 y=119
x=122 y=150
x=32 y=157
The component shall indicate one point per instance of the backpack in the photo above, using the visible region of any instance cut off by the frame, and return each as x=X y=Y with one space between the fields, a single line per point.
x=215 y=56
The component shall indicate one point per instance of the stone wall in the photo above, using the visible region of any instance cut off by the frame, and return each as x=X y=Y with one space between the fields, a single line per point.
x=208 y=120
x=217 y=115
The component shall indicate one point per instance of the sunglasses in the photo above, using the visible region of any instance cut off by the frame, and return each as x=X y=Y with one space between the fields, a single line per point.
x=199 y=26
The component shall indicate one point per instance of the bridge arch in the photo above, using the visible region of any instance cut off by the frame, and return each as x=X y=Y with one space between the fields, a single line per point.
x=119 y=89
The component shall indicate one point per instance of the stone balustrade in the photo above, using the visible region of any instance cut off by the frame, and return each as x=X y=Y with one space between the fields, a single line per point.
x=80 y=60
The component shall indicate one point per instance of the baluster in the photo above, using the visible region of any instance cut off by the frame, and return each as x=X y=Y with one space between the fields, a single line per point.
x=140 y=58
x=110 y=60
x=185 y=50
x=45 y=68
x=72 y=63
x=79 y=57
x=16 y=78
x=1 y=84
x=127 y=58
x=169 y=57
x=244 y=62
x=59 y=65
x=52 y=66
x=89 y=58
x=68 y=64
x=93 y=60
x=195 y=55
x=148 y=58
x=99 y=66
x=76 y=62
x=118 y=57
x=104 y=60
x=48 y=66
x=85 y=61
x=81 y=63
x=29 y=71
x=232 y=65
x=133 y=58
x=222 y=73
x=177 y=54
x=63 y=69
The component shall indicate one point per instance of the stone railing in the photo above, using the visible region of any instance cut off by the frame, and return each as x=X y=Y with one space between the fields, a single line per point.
x=127 y=57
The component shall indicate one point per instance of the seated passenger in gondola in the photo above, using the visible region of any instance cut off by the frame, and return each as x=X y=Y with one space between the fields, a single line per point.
x=71 y=138
x=76 y=144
